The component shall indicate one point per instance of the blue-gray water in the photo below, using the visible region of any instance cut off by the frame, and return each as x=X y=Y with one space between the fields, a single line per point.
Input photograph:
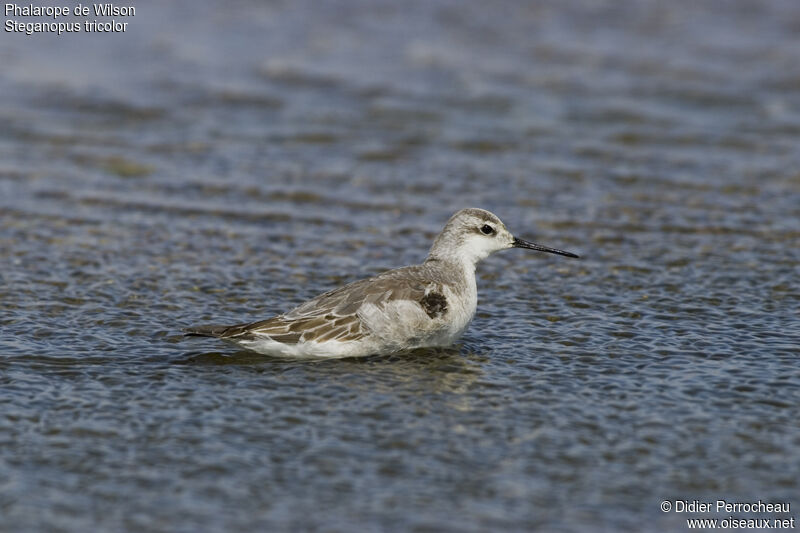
x=223 y=161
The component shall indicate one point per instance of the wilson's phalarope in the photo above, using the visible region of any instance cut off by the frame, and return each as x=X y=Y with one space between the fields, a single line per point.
x=411 y=307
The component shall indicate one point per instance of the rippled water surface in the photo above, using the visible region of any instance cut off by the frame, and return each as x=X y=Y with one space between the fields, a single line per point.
x=224 y=161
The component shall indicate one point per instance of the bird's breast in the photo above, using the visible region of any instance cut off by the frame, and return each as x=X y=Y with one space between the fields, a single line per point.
x=462 y=302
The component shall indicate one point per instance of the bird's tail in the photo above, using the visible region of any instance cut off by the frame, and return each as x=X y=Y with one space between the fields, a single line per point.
x=206 y=331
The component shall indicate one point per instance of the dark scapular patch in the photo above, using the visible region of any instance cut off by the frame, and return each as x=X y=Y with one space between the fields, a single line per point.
x=434 y=303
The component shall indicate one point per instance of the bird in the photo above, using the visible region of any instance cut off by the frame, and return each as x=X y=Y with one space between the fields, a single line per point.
x=419 y=306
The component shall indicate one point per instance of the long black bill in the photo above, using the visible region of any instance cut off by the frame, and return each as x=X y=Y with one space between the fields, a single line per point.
x=519 y=243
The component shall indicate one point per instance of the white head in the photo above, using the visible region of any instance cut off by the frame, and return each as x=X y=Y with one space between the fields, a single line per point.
x=473 y=234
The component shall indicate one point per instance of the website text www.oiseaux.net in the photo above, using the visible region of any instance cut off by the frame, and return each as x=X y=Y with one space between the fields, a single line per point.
x=732 y=522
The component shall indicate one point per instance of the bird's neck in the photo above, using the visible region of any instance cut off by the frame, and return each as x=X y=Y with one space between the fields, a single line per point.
x=455 y=263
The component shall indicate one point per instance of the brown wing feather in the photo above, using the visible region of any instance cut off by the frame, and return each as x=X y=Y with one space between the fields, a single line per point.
x=333 y=315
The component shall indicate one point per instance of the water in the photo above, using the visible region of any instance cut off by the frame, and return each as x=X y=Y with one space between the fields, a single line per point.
x=225 y=161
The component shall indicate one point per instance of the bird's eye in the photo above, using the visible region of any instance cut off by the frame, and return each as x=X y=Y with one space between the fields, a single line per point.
x=487 y=230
